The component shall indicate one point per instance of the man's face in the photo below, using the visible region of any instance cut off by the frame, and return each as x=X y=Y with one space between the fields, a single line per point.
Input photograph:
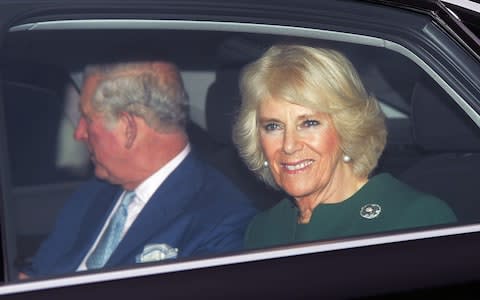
x=105 y=143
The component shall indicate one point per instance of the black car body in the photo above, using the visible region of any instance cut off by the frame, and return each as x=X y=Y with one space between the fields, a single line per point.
x=408 y=52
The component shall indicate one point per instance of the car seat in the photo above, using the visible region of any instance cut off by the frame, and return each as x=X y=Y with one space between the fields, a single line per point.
x=223 y=101
x=450 y=142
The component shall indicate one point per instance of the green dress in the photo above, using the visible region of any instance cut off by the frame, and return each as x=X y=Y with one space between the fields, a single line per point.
x=382 y=204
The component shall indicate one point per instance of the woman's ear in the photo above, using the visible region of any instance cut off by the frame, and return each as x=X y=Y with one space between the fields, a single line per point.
x=130 y=129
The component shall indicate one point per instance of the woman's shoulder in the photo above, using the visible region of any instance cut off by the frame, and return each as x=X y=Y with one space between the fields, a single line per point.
x=384 y=184
x=430 y=210
x=413 y=204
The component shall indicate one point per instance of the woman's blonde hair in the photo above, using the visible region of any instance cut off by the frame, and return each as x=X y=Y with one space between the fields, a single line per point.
x=323 y=80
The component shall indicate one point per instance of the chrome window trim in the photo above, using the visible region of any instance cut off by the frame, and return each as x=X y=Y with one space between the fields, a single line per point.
x=467 y=4
x=278 y=252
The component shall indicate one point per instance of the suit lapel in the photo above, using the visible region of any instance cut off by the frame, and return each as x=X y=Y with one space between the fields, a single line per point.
x=99 y=210
x=166 y=204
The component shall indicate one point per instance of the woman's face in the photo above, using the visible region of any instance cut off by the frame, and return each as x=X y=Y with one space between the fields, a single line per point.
x=301 y=146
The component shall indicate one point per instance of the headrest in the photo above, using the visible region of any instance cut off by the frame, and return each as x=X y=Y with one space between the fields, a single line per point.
x=439 y=124
x=223 y=101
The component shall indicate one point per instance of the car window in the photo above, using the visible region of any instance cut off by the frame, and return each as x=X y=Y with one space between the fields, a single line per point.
x=41 y=86
x=387 y=75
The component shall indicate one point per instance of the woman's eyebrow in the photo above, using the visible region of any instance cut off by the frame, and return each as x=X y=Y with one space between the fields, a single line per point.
x=268 y=119
x=308 y=116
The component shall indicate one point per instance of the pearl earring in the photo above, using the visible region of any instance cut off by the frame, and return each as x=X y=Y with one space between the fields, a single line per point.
x=265 y=164
x=346 y=158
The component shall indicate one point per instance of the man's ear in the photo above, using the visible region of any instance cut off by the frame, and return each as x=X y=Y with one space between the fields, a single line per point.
x=130 y=129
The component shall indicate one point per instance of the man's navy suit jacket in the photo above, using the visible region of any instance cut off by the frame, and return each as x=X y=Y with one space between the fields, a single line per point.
x=196 y=209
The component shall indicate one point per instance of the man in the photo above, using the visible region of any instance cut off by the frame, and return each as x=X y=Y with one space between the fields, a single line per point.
x=133 y=119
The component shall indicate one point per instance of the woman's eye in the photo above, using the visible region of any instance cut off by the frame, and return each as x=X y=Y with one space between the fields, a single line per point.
x=271 y=126
x=310 y=123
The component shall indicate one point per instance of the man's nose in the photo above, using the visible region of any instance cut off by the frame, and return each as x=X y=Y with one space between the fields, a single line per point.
x=291 y=141
x=80 y=133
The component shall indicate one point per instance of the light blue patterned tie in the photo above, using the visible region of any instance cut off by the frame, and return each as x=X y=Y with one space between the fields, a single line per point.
x=112 y=234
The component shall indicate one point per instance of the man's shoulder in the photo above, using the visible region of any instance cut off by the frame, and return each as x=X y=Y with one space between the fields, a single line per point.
x=214 y=180
x=203 y=187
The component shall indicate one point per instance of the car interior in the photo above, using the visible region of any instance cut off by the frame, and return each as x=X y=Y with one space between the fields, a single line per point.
x=432 y=144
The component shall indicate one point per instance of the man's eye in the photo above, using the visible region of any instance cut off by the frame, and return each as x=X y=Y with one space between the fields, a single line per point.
x=271 y=127
x=84 y=118
x=87 y=119
x=310 y=123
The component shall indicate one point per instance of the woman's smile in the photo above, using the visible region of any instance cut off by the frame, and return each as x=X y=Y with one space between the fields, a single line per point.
x=297 y=167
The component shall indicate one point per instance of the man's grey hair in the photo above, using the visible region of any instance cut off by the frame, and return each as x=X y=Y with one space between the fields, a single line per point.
x=153 y=91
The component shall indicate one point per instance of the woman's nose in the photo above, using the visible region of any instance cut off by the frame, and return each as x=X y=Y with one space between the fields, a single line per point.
x=291 y=142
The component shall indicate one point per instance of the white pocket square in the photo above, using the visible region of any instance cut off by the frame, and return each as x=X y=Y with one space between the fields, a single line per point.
x=156 y=252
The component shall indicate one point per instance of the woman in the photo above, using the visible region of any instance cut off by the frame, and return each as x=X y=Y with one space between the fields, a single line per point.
x=307 y=126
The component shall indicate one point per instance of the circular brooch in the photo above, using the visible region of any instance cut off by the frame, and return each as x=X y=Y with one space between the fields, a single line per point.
x=370 y=211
